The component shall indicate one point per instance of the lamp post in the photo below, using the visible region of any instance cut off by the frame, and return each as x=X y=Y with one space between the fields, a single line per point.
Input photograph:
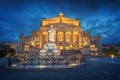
x=112 y=56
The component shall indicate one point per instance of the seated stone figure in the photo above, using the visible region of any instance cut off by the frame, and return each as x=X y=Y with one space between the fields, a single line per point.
x=45 y=47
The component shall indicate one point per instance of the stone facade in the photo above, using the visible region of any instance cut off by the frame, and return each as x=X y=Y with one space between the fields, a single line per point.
x=69 y=35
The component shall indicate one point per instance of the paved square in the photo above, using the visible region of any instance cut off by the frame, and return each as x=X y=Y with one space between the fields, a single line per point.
x=93 y=69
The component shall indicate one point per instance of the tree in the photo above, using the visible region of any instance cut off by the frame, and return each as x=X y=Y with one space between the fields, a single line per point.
x=3 y=53
x=6 y=50
x=110 y=51
x=113 y=51
x=105 y=51
x=12 y=51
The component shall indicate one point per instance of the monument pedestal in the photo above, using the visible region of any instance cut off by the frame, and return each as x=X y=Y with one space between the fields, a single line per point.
x=50 y=49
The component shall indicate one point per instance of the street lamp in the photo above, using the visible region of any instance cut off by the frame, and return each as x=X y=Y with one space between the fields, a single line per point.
x=112 y=56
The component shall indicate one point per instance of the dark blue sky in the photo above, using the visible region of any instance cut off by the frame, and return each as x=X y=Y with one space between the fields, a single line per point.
x=97 y=16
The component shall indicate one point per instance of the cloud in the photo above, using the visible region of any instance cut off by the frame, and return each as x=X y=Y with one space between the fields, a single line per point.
x=108 y=28
x=17 y=16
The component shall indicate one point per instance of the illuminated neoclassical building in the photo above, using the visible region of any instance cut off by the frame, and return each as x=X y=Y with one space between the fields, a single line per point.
x=69 y=36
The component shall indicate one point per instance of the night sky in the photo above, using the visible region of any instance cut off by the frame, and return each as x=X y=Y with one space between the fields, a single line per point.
x=96 y=16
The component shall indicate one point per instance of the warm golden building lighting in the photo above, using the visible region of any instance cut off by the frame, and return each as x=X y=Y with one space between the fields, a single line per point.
x=112 y=56
x=61 y=48
x=26 y=47
x=92 y=54
x=61 y=14
x=93 y=48
x=69 y=35
x=96 y=54
x=60 y=36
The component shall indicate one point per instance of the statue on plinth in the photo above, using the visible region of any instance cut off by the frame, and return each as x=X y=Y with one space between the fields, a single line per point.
x=45 y=47
x=51 y=34
x=50 y=47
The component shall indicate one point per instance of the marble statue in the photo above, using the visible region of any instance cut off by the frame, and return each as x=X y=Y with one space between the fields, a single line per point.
x=51 y=34
x=50 y=47
x=45 y=46
x=32 y=42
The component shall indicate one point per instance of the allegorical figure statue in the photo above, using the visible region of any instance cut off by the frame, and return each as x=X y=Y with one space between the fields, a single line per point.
x=45 y=47
x=51 y=34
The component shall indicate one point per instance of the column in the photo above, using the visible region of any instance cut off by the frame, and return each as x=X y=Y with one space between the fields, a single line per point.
x=78 y=41
x=64 y=39
x=97 y=44
x=48 y=36
x=72 y=39
x=88 y=40
x=22 y=44
x=39 y=41
x=100 y=45
x=57 y=37
x=42 y=39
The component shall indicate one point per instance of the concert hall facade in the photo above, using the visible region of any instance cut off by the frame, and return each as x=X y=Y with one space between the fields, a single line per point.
x=69 y=36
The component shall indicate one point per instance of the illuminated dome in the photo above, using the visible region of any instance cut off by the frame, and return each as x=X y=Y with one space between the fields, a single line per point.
x=61 y=14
